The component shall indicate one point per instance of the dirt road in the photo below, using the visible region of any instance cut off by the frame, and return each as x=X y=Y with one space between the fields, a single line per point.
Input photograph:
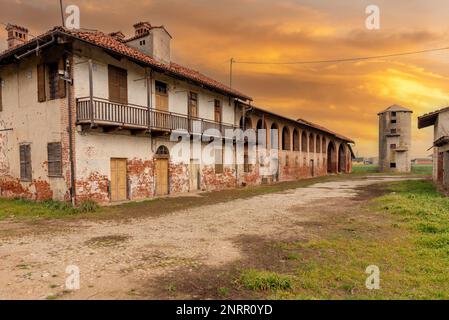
x=127 y=260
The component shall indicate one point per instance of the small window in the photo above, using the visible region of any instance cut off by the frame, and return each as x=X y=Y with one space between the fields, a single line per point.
x=393 y=131
x=54 y=152
x=393 y=165
x=53 y=79
x=393 y=146
x=393 y=114
x=393 y=121
x=25 y=162
x=161 y=88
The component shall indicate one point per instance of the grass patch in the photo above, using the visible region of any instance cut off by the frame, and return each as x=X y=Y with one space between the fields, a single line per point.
x=264 y=280
x=419 y=169
x=405 y=233
x=21 y=208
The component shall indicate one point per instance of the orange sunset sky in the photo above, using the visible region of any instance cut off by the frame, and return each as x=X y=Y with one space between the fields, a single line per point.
x=345 y=97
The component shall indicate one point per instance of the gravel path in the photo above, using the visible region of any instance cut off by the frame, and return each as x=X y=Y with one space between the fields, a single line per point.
x=115 y=258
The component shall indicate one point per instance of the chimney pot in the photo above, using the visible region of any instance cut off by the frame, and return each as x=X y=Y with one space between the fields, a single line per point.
x=17 y=35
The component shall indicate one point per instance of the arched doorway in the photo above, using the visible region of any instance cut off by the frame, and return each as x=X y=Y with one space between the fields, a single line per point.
x=341 y=159
x=245 y=123
x=286 y=139
x=296 y=140
x=161 y=170
x=331 y=155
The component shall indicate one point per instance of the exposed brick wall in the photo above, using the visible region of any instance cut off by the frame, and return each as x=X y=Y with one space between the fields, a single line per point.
x=211 y=181
x=95 y=187
x=140 y=178
x=179 y=181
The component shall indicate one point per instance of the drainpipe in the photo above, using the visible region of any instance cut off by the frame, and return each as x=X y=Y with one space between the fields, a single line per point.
x=149 y=96
x=70 y=131
x=91 y=93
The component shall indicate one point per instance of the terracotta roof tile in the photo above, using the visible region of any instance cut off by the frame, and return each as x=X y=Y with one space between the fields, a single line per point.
x=105 y=41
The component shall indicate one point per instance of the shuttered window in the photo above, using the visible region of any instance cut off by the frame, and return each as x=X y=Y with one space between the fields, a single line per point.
x=118 y=84
x=50 y=85
x=53 y=81
x=161 y=96
x=41 y=83
x=54 y=151
x=218 y=110
x=25 y=162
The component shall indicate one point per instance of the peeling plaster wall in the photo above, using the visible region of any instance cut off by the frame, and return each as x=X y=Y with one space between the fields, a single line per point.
x=32 y=123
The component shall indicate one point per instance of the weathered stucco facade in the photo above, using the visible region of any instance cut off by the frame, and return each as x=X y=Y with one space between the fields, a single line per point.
x=121 y=150
x=395 y=125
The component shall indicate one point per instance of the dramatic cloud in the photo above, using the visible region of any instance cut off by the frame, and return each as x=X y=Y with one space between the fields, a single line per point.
x=342 y=96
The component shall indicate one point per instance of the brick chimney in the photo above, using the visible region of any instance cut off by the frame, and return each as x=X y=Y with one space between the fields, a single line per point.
x=17 y=35
x=151 y=40
x=117 y=35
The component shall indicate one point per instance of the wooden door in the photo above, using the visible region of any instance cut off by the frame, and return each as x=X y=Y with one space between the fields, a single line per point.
x=118 y=180
x=161 y=177
x=194 y=176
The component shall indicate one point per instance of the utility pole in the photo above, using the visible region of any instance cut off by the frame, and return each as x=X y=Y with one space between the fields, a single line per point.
x=231 y=62
x=62 y=13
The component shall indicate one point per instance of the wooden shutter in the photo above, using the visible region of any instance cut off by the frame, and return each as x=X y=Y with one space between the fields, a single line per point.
x=217 y=105
x=118 y=84
x=25 y=162
x=61 y=82
x=54 y=151
x=41 y=83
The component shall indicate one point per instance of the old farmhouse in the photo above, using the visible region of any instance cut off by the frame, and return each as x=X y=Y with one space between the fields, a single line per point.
x=86 y=115
x=440 y=121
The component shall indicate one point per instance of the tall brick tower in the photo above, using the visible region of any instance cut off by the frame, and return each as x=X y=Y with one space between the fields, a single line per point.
x=395 y=126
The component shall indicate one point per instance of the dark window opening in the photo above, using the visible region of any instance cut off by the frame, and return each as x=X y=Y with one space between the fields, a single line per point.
x=393 y=121
x=393 y=165
x=161 y=88
x=393 y=146
x=53 y=78
x=393 y=131
x=54 y=151
x=393 y=114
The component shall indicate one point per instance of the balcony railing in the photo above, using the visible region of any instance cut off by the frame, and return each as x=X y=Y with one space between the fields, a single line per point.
x=101 y=112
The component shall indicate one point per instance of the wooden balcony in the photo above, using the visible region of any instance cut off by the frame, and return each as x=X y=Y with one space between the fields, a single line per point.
x=99 y=112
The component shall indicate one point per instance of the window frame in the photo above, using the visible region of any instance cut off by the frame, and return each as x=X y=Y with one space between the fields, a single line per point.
x=52 y=159
x=26 y=169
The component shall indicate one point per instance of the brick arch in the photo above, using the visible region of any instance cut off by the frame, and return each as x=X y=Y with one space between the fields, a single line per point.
x=311 y=143
x=304 y=142
x=332 y=158
x=296 y=142
x=286 y=143
x=342 y=161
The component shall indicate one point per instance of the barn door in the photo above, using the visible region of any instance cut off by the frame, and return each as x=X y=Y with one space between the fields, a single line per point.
x=161 y=177
x=118 y=180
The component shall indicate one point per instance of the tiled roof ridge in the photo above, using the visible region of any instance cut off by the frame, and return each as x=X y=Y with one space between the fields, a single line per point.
x=108 y=42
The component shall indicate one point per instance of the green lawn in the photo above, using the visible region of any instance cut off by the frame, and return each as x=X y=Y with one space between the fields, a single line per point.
x=421 y=169
x=405 y=234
